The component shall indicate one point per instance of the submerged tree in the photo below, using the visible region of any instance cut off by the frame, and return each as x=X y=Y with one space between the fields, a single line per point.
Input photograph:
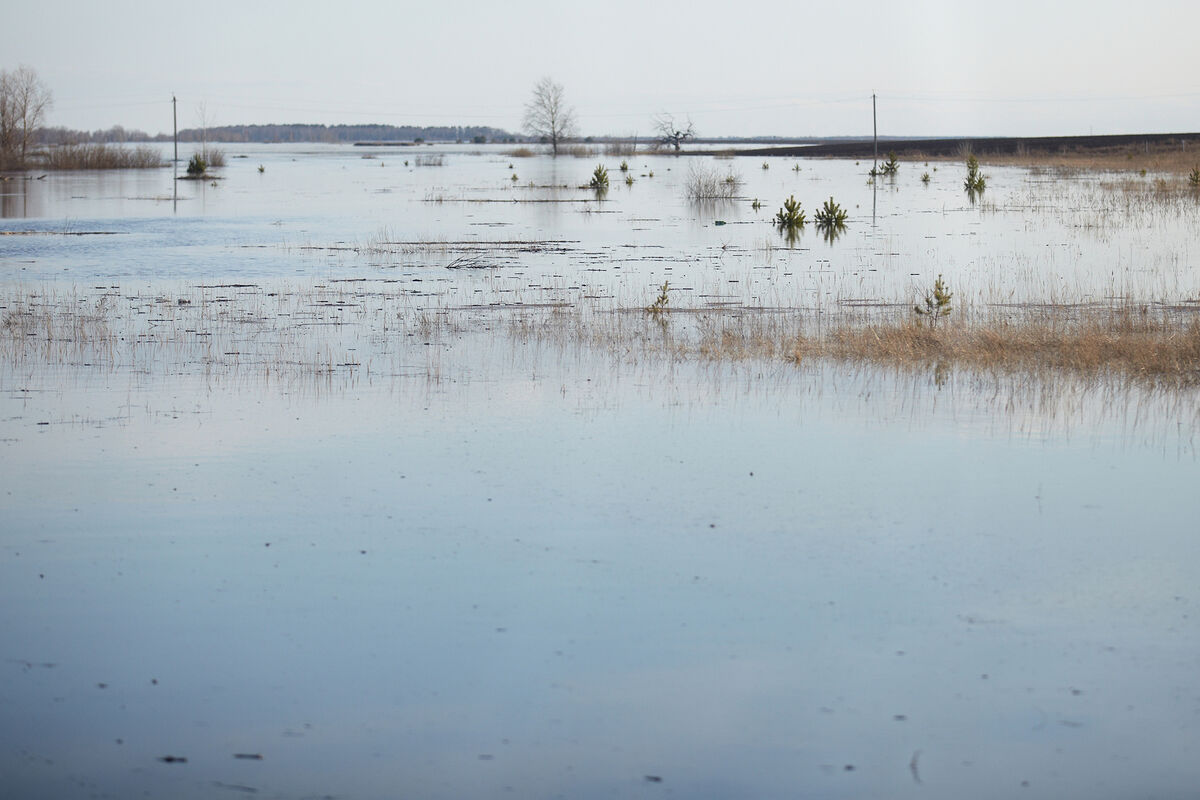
x=547 y=114
x=24 y=100
x=670 y=134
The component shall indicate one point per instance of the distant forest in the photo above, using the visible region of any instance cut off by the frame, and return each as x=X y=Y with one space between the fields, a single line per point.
x=288 y=133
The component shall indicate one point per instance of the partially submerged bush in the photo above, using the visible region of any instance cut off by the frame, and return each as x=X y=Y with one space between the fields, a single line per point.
x=937 y=302
x=599 y=178
x=706 y=183
x=891 y=166
x=1194 y=176
x=791 y=216
x=831 y=215
x=660 y=304
x=214 y=156
x=975 y=182
x=197 y=165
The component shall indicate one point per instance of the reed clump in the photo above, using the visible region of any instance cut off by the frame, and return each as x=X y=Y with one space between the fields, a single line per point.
x=100 y=156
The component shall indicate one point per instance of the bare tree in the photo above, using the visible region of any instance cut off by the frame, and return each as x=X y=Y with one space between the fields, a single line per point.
x=669 y=132
x=24 y=100
x=547 y=114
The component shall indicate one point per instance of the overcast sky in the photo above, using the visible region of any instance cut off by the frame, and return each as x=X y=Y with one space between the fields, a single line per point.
x=740 y=69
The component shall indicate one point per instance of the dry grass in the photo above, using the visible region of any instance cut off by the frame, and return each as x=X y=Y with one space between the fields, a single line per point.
x=100 y=156
x=1160 y=345
x=578 y=151
x=617 y=149
x=364 y=327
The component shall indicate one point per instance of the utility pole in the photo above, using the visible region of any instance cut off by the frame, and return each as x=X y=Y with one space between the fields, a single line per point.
x=875 y=130
x=175 y=127
x=175 y=160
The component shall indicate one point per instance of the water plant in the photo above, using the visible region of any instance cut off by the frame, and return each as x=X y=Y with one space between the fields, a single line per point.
x=791 y=216
x=197 y=165
x=975 y=182
x=261 y=169
x=624 y=166
x=925 y=177
x=1194 y=176
x=766 y=165
x=757 y=204
x=629 y=180
x=599 y=178
x=831 y=215
x=937 y=302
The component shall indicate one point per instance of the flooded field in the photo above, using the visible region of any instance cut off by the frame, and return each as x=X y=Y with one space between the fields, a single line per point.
x=366 y=472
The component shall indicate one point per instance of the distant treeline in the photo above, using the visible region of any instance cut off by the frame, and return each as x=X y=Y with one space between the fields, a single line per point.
x=287 y=133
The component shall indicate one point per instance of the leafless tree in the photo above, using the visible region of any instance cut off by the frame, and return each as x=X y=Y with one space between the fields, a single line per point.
x=24 y=100
x=669 y=132
x=547 y=114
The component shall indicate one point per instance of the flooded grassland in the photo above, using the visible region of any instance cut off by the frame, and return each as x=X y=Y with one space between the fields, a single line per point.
x=354 y=477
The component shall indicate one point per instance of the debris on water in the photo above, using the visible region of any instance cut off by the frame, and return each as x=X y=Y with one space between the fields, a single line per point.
x=653 y=779
x=173 y=759
x=249 y=756
x=236 y=787
x=913 y=768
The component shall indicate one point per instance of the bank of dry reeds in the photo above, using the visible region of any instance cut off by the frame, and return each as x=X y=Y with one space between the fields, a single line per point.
x=342 y=325
x=100 y=156
x=1130 y=343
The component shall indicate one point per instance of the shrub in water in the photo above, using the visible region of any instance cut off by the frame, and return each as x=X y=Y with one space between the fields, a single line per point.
x=831 y=215
x=599 y=178
x=937 y=303
x=975 y=181
x=791 y=215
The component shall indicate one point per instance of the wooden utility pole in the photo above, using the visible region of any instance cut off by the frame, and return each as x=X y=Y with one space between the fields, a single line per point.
x=175 y=160
x=875 y=130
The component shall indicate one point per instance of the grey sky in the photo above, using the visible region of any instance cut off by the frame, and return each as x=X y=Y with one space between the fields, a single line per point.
x=780 y=68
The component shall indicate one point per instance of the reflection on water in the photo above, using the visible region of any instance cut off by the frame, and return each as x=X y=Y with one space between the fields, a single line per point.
x=15 y=193
x=276 y=485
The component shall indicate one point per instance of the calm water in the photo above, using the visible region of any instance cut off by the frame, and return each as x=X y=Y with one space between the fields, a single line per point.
x=487 y=559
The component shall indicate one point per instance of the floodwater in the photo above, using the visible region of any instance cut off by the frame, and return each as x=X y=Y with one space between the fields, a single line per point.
x=321 y=491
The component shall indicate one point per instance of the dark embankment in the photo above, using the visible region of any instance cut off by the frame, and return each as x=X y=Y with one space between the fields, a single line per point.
x=983 y=145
